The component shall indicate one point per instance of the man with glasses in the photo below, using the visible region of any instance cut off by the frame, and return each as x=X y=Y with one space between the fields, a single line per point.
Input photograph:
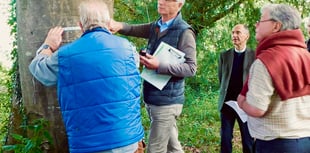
x=277 y=95
x=165 y=106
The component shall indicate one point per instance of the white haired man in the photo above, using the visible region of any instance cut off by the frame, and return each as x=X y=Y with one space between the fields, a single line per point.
x=98 y=84
x=277 y=95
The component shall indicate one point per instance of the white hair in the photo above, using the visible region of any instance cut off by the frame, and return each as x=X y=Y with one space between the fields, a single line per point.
x=287 y=15
x=94 y=13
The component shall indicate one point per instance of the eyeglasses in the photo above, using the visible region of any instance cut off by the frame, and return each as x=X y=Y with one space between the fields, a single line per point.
x=258 y=22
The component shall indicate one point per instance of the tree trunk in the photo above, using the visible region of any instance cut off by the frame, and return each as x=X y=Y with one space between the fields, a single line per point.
x=34 y=19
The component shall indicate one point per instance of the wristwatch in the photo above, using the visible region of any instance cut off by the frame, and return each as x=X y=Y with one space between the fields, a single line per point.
x=43 y=46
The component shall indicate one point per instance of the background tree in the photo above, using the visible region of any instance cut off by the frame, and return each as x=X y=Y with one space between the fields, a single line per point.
x=212 y=21
x=34 y=19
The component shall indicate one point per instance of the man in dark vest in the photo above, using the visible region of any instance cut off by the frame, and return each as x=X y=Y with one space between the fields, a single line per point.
x=233 y=68
x=164 y=106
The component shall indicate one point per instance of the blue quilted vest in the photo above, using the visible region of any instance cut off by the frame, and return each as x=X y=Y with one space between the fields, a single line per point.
x=99 y=92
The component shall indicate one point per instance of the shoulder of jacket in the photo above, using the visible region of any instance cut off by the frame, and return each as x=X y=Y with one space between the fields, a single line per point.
x=228 y=51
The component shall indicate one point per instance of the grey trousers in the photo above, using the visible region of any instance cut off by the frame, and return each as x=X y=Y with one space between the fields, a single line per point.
x=163 y=137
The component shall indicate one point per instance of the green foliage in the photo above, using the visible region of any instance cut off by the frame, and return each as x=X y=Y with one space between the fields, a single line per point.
x=6 y=83
x=4 y=103
x=37 y=143
x=135 y=12
x=199 y=123
x=12 y=93
x=204 y=13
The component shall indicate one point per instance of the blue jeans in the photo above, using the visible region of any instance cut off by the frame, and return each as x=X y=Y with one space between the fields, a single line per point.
x=301 y=145
x=228 y=118
x=126 y=149
x=163 y=136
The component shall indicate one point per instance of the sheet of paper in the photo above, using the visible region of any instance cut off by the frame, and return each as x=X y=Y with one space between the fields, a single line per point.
x=71 y=28
x=165 y=54
x=157 y=80
x=233 y=104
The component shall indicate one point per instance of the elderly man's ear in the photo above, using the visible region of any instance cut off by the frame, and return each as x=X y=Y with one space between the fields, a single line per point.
x=277 y=27
x=81 y=26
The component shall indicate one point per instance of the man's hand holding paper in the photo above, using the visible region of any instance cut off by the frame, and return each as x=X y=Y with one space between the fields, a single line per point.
x=164 y=54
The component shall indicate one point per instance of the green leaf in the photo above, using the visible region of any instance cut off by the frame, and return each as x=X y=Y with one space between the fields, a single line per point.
x=29 y=145
x=8 y=147
x=17 y=137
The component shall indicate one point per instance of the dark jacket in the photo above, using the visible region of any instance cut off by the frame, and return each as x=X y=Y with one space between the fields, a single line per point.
x=225 y=68
x=308 y=45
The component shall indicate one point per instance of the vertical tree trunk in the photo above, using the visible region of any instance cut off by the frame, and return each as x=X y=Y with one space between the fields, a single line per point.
x=34 y=19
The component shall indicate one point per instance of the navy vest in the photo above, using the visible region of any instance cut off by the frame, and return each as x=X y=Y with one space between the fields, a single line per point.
x=173 y=92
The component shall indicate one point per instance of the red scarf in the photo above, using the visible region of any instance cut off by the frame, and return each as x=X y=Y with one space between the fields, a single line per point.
x=285 y=56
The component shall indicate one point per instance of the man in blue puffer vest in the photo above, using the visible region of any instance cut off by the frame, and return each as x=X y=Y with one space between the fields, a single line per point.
x=98 y=84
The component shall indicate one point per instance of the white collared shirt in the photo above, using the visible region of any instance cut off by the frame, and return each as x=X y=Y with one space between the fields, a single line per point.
x=240 y=51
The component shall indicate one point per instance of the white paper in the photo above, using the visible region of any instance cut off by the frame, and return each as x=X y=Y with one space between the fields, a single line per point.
x=233 y=104
x=71 y=28
x=165 y=54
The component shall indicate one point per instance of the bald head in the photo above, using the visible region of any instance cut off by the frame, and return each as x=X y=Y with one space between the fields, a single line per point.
x=240 y=35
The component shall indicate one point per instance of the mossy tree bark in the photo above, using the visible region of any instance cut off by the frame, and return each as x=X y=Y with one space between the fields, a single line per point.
x=34 y=19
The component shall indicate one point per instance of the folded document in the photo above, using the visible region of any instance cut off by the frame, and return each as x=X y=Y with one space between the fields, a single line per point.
x=233 y=104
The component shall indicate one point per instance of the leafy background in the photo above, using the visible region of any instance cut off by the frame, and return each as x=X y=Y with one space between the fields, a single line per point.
x=199 y=123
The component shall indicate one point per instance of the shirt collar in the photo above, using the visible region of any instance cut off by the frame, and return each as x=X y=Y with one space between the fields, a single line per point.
x=96 y=29
x=165 y=25
x=240 y=51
